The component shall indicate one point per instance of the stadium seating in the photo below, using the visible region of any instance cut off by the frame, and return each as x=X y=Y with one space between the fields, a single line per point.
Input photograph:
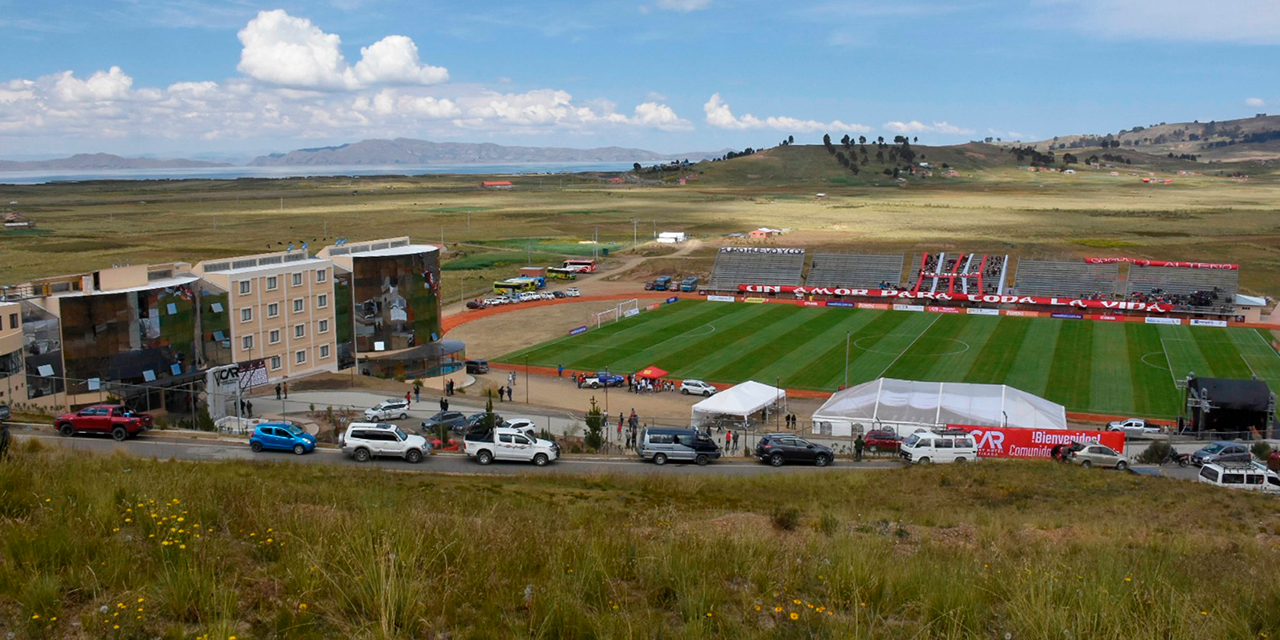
x=953 y=272
x=733 y=268
x=1071 y=279
x=1202 y=289
x=860 y=271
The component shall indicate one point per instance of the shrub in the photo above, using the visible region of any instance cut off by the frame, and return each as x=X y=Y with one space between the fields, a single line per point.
x=786 y=518
x=1261 y=450
x=1155 y=452
x=828 y=524
x=595 y=426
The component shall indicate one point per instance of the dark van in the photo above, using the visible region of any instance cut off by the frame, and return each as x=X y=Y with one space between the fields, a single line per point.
x=660 y=444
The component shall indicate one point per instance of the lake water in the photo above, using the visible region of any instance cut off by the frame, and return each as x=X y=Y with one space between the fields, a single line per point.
x=231 y=173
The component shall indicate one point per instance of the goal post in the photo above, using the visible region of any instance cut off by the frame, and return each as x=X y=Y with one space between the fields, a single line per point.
x=606 y=316
x=629 y=308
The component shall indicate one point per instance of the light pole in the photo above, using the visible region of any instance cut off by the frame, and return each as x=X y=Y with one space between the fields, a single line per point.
x=526 y=378
x=605 y=382
x=635 y=234
x=846 y=359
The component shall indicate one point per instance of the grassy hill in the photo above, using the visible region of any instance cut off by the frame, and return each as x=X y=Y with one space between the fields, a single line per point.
x=120 y=547
x=1256 y=138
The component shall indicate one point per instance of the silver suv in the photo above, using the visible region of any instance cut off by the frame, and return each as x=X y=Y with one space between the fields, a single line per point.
x=390 y=409
x=366 y=440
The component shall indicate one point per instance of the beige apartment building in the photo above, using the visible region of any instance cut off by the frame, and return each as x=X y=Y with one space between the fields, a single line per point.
x=13 y=387
x=282 y=310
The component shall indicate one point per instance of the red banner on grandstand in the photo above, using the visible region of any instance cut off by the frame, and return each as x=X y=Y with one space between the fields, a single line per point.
x=1016 y=442
x=878 y=306
x=1077 y=303
x=1166 y=263
x=944 y=309
x=1023 y=314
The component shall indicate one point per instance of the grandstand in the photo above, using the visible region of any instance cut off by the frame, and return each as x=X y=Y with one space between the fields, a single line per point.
x=756 y=265
x=856 y=271
x=1073 y=279
x=975 y=273
x=1188 y=289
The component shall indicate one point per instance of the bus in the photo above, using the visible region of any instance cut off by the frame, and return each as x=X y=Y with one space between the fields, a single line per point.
x=584 y=265
x=562 y=273
x=515 y=285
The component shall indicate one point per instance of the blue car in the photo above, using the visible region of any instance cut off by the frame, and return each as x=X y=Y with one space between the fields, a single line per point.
x=282 y=436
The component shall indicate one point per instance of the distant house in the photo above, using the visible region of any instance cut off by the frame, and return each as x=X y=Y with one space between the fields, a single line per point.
x=496 y=184
x=763 y=233
x=617 y=180
x=671 y=237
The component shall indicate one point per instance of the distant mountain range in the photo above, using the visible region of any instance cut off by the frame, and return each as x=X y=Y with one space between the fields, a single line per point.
x=105 y=161
x=417 y=152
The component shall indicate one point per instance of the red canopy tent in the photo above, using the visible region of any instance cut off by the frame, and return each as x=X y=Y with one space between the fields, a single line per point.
x=652 y=373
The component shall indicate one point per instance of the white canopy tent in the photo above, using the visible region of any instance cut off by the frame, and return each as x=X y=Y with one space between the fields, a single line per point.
x=740 y=401
x=905 y=405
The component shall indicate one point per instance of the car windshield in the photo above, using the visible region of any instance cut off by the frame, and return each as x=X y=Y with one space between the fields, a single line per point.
x=911 y=440
x=401 y=434
x=293 y=429
x=1212 y=448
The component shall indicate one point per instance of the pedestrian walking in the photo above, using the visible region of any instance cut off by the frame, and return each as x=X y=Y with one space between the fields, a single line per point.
x=635 y=420
x=444 y=404
x=277 y=391
x=407 y=395
x=728 y=440
x=248 y=408
x=858 y=445
x=579 y=378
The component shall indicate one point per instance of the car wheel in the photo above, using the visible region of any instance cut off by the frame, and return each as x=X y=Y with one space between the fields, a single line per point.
x=776 y=460
x=925 y=460
x=701 y=460
x=706 y=394
x=299 y=449
x=1122 y=465
x=684 y=392
x=960 y=461
x=66 y=429
x=873 y=449
x=1086 y=463
x=821 y=460
x=361 y=455
x=404 y=416
x=659 y=459
x=540 y=460
x=413 y=456
x=484 y=457
x=256 y=446
x=119 y=434
x=1182 y=462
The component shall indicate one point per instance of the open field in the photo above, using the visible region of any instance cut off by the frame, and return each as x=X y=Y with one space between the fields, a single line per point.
x=1095 y=367
x=993 y=207
x=119 y=547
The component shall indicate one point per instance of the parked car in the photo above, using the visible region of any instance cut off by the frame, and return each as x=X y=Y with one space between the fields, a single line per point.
x=878 y=440
x=777 y=448
x=389 y=409
x=116 y=419
x=648 y=286
x=475 y=304
x=604 y=379
x=505 y=443
x=559 y=294
x=477 y=366
x=1253 y=476
x=926 y=447
x=4 y=412
x=1093 y=454
x=527 y=296
x=367 y=440
x=1134 y=427
x=660 y=444
x=572 y=292
x=696 y=388
x=455 y=420
x=282 y=436
x=1221 y=451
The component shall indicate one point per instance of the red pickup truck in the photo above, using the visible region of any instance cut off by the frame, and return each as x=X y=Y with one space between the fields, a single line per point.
x=117 y=420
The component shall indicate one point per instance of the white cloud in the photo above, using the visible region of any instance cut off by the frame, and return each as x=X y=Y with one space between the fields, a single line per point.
x=1255 y=102
x=915 y=126
x=286 y=51
x=719 y=115
x=1231 y=21
x=683 y=6
x=655 y=96
x=660 y=116
x=103 y=85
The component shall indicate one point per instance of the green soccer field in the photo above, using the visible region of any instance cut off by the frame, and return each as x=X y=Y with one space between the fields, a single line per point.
x=1097 y=367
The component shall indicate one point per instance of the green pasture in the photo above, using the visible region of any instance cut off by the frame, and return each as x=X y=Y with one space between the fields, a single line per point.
x=1098 y=367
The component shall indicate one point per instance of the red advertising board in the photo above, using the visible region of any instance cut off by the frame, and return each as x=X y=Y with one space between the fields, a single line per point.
x=944 y=309
x=1016 y=442
x=1142 y=262
x=943 y=296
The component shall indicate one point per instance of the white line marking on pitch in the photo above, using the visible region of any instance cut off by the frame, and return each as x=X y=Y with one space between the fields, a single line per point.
x=913 y=343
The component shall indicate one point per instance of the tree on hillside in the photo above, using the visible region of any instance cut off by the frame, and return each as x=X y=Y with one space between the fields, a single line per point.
x=844 y=142
x=791 y=139
x=840 y=157
x=862 y=140
x=636 y=167
x=826 y=142
x=1067 y=158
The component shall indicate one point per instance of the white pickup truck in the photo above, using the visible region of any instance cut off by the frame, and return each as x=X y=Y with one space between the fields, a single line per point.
x=505 y=443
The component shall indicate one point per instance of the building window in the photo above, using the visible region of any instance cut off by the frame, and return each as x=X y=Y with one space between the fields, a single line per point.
x=273 y=336
x=273 y=283
x=322 y=300
x=324 y=325
x=275 y=362
x=246 y=342
x=300 y=357
x=244 y=287
x=297 y=279
x=273 y=309
x=246 y=314
x=299 y=330
x=322 y=275
x=13 y=321
x=298 y=305
x=324 y=351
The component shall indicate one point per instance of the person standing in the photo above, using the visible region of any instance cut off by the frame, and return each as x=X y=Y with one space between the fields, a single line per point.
x=560 y=371
x=277 y=391
x=407 y=397
x=417 y=393
x=248 y=408
x=286 y=389
x=444 y=404
x=728 y=440
x=1273 y=460
x=858 y=445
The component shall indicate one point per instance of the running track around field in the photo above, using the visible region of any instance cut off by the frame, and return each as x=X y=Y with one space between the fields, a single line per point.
x=470 y=315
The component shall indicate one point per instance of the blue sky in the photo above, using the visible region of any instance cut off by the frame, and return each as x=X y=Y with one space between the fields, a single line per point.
x=241 y=77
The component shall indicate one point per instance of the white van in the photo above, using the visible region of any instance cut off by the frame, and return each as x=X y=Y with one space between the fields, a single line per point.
x=1247 y=476
x=924 y=447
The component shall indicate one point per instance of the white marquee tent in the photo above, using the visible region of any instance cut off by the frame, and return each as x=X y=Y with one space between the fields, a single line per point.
x=741 y=401
x=905 y=405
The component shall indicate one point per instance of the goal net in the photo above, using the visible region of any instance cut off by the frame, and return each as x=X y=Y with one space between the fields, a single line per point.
x=606 y=316
x=625 y=309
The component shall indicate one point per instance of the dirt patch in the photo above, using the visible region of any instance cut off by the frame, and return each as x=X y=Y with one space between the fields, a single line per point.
x=506 y=332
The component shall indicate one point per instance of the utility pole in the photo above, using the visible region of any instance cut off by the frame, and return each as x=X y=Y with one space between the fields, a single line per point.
x=635 y=237
x=846 y=359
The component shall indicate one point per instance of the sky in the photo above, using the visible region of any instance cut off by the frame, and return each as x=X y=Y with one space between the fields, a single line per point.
x=236 y=78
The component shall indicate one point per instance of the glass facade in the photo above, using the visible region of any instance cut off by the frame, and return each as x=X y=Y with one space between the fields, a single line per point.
x=427 y=361
x=344 y=332
x=396 y=301
x=42 y=344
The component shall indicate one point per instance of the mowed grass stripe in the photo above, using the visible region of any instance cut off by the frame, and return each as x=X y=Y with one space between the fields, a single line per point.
x=996 y=358
x=1153 y=391
x=1030 y=371
x=705 y=355
x=950 y=348
x=570 y=349
x=781 y=343
x=603 y=347
x=824 y=348
x=1111 y=387
x=1218 y=348
x=886 y=338
x=671 y=347
x=1184 y=353
x=1262 y=359
x=1071 y=370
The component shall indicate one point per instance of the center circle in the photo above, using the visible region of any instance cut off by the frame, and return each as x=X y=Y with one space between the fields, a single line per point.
x=944 y=346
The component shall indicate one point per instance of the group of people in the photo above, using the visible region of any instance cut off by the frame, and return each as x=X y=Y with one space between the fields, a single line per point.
x=1198 y=298
x=792 y=421
x=647 y=385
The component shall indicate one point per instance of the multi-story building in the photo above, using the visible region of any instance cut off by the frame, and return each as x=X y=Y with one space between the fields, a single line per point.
x=13 y=380
x=392 y=288
x=282 y=311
